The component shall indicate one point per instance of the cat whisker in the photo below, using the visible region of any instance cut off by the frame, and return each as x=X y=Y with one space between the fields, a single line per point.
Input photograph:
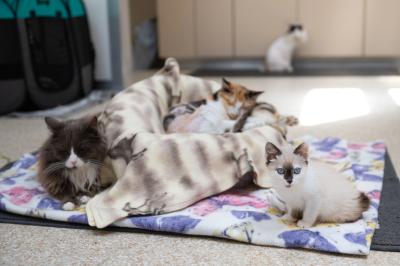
x=54 y=167
x=95 y=163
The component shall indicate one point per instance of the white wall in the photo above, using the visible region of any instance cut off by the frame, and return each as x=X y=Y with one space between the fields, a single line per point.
x=100 y=32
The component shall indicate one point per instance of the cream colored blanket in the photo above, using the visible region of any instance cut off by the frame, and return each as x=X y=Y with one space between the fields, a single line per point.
x=159 y=173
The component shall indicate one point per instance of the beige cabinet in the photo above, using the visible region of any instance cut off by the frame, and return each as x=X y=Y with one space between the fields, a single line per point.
x=259 y=22
x=213 y=23
x=335 y=27
x=382 y=37
x=176 y=31
x=246 y=28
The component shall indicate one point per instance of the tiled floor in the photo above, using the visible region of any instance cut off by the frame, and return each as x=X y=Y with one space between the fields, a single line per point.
x=364 y=111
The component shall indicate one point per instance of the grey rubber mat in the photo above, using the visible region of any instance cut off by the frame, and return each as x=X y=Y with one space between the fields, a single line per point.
x=386 y=238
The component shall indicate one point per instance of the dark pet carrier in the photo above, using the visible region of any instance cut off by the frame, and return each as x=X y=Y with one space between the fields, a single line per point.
x=55 y=48
x=12 y=85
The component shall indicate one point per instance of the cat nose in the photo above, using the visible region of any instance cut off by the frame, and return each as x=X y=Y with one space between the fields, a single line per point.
x=73 y=162
x=289 y=180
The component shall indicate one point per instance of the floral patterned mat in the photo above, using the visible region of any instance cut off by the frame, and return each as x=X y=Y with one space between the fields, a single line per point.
x=242 y=215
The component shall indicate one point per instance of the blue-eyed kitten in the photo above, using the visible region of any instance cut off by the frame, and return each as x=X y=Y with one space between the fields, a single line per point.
x=313 y=191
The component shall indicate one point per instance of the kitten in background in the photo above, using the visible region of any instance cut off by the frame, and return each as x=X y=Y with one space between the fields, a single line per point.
x=71 y=160
x=313 y=191
x=213 y=116
x=280 y=53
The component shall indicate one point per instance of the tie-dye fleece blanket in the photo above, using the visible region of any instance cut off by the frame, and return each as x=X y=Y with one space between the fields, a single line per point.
x=243 y=215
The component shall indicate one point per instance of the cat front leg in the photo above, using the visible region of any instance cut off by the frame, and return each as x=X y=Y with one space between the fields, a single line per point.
x=253 y=122
x=228 y=125
x=68 y=206
x=310 y=214
x=84 y=199
x=288 y=216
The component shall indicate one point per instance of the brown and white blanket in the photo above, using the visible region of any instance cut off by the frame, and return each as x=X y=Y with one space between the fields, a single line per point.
x=159 y=173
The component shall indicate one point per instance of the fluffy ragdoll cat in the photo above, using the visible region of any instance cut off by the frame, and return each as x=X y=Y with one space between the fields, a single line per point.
x=71 y=160
x=313 y=191
x=280 y=53
x=213 y=116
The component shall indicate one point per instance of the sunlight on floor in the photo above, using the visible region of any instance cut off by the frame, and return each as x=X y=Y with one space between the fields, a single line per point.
x=395 y=94
x=324 y=105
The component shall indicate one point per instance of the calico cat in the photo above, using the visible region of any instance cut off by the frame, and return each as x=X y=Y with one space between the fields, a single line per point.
x=71 y=159
x=280 y=53
x=312 y=190
x=214 y=116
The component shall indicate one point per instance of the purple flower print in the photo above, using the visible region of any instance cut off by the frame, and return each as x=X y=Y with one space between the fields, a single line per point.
x=257 y=216
x=26 y=162
x=49 y=203
x=358 y=238
x=327 y=144
x=374 y=204
x=80 y=219
x=10 y=180
x=307 y=239
x=177 y=224
x=361 y=173
x=2 y=205
x=380 y=156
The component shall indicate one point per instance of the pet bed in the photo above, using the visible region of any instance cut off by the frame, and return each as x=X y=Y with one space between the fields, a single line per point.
x=160 y=174
x=239 y=214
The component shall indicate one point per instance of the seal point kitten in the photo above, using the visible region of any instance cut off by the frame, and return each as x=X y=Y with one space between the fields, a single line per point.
x=313 y=191
x=71 y=159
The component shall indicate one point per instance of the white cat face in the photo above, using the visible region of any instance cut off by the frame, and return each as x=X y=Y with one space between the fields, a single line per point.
x=73 y=161
x=235 y=110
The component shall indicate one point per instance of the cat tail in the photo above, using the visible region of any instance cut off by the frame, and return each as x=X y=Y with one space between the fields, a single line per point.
x=363 y=201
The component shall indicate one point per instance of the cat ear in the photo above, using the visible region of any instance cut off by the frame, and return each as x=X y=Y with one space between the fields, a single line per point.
x=271 y=152
x=92 y=121
x=53 y=124
x=302 y=150
x=255 y=94
x=225 y=82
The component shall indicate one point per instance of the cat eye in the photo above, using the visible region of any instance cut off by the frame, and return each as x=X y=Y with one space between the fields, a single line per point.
x=280 y=171
x=297 y=170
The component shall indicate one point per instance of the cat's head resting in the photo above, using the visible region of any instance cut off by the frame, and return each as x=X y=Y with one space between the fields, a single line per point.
x=288 y=164
x=236 y=98
x=73 y=144
x=298 y=32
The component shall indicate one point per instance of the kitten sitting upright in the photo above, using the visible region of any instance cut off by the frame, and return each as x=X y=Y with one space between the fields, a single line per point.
x=280 y=53
x=311 y=189
x=71 y=159
x=213 y=116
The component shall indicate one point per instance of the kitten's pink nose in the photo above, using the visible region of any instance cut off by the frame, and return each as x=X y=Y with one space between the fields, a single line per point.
x=73 y=162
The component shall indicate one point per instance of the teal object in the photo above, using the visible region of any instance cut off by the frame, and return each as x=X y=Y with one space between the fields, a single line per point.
x=75 y=7
x=7 y=9
x=41 y=8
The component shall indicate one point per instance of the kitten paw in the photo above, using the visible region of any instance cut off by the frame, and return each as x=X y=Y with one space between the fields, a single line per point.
x=84 y=199
x=304 y=224
x=68 y=206
x=287 y=217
